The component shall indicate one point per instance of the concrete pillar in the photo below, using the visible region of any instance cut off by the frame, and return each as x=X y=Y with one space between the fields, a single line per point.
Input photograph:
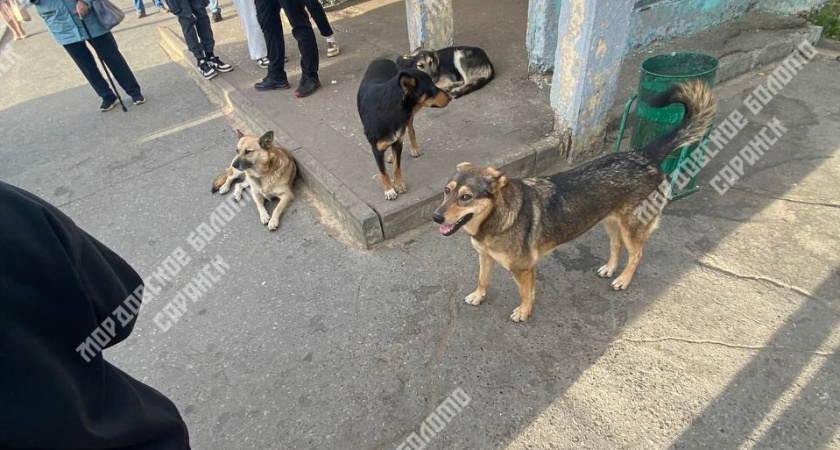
x=541 y=40
x=430 y=23
x=592 y=39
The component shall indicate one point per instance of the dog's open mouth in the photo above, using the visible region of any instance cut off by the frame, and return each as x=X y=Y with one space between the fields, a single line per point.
x=447 y=229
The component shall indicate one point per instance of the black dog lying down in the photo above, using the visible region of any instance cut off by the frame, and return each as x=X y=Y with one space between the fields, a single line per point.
x=387 y=101
x=457 y=70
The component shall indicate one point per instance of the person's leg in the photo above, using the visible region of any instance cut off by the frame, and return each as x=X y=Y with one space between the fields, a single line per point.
x=213 y=5
x=304 y=35
x=139 y=6
x=268 y=16
x=84 y=60
x=187 y=20
x=203 y=27
x=247 y=11
x=316 y=10
x=107 y=49
x=11 y=21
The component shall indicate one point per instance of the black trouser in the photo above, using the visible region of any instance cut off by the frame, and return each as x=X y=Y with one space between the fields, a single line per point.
x=319 y=16
x=106 y=47
x=268 y=15
x=195 y=24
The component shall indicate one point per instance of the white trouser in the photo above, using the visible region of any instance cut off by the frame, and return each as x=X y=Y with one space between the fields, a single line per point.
x=247 y=12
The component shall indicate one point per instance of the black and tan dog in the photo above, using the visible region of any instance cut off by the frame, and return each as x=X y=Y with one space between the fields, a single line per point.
x=387 y=101
x=515 y=221
x=457 y=70
x=269 y=170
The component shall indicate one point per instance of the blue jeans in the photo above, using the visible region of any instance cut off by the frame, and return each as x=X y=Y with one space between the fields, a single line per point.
x=214 y=6
x=140 y=7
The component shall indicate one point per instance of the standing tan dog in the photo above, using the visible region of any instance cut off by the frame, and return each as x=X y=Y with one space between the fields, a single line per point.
x=269 y=171
x=516 y=221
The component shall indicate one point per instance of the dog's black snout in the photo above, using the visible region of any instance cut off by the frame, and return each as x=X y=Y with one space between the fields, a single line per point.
x=437 y=217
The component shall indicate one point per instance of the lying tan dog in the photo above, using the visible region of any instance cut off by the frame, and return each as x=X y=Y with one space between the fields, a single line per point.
x=269 y=171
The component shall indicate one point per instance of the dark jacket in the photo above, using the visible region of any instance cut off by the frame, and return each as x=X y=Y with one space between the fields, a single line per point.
x=57 y=285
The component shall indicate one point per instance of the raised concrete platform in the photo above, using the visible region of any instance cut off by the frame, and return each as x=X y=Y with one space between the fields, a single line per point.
x=507 y=124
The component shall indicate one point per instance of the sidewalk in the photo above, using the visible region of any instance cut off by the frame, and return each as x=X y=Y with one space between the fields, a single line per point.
x=727 y=338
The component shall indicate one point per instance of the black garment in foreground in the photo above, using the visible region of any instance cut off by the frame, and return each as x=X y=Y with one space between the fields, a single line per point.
x=268 y=15
x=57 y=284
x=106 y=47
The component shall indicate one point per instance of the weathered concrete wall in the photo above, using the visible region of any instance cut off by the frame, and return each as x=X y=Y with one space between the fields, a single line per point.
x=789 y=6
x=430 y=23
x=662 y=19
x=593 y=36
x=541 y=37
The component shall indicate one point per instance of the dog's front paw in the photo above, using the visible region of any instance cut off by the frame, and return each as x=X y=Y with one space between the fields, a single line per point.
x=520 y=315
x=224 y=189
x=399 y=187
x=622 y=282
x=273 y=224
x=606 y=271
x=391 y=194
x=475 y=298
x=237 y=195
x=415 y=152
x=264 y=217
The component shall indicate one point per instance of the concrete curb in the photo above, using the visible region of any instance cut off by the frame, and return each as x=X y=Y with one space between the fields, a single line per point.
x=830 y=44
x=360 y=220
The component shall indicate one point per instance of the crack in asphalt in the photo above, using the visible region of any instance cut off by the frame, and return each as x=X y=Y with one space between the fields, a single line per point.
x=451 y=323
x=723 y=344
x=773 y=281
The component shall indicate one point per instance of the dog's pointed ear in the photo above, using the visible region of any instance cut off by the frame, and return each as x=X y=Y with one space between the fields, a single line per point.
x=239 y=133
x=407 y=83
x=417 y=51
x=267 y=140
x=498 y=180
x=463 y=166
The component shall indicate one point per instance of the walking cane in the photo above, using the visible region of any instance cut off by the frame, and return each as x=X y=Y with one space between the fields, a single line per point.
x=107 y=72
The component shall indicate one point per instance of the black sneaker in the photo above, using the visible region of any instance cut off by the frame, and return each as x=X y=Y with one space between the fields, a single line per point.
x=141 y=14
x=138 y=100
x=108 y=104
x=268 y=84
x=219 y=65
x=207 y=71
x=217 y=16
x=307 y=87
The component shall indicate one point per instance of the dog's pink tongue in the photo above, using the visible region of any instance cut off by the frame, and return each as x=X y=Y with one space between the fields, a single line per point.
x=446 y=228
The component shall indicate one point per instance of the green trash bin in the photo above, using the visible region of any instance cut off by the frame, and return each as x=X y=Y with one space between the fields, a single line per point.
x=659 y=73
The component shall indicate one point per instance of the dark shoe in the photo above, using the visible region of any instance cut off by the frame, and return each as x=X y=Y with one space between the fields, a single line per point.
x=138 y=100
x=217 y=16
x=307 y=87
x=141 y=14
x=267 y=84
x=108 y=104
x=219 y=65
x=207 y=71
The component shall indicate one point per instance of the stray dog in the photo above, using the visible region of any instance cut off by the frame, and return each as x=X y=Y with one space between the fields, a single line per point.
x=387 y=102
x=515 y=221
x=457 y=70
x=269 y=171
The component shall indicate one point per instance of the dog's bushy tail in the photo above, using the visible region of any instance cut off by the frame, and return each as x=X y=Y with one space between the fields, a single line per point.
x=700 y=107
x=219 y=181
